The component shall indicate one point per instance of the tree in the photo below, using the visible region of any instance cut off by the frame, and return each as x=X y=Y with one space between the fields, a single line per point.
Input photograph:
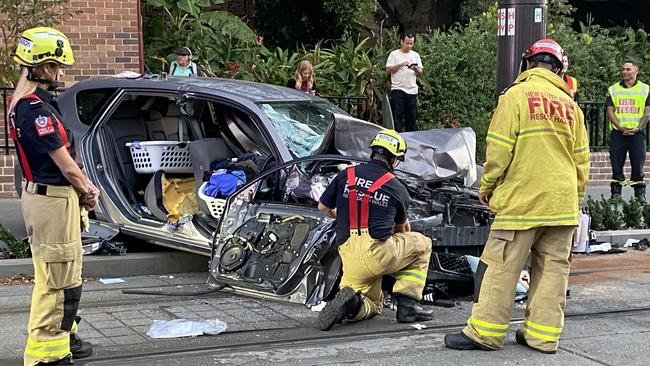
x=419 y=15
x=24 y=15
x=292 y=23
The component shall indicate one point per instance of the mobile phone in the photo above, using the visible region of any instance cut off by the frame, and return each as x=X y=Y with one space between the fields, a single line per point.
x=411 y=65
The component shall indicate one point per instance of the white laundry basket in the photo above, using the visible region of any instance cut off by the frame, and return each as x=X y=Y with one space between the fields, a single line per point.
x=168 y=156
x=215 y=205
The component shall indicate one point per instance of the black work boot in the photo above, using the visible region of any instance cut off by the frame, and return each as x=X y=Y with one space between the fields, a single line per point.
x=409 y=310
x=61 y=362
x=462 y=342
x=639 y=193
x=346 y=305
x=79 y=348
x=519 y=337
x=616 y=190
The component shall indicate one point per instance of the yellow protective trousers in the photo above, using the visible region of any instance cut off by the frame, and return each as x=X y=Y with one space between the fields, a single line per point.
x=366 y=260
x=52 y=220
x=500 y=267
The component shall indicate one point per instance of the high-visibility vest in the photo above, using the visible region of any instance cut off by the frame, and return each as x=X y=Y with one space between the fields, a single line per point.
x=572 y=83
x=629 y=103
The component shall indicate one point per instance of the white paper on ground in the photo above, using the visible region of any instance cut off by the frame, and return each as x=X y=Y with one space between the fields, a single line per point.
x=108 y=281
x=419 y=326
x=602 y=247
x=319 y=306
x=185 y=328
x=630 y=243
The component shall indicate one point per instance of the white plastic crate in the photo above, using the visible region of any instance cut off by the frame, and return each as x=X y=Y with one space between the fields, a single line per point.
x=215 y=205
x=168 y=156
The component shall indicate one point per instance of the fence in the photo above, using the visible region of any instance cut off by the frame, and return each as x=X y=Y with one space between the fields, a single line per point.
x=598 y=126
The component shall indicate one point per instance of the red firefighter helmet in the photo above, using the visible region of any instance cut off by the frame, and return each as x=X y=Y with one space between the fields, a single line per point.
x=545 y=46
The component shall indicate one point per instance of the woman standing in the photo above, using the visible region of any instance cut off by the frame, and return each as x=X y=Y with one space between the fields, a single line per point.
x=304 y=78
x=53 y=192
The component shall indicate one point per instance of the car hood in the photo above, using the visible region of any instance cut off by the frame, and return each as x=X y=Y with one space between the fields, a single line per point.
x=432 y=155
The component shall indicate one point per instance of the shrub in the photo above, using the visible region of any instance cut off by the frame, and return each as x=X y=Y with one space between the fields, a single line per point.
x=612 y=218
x=596 y=213
x=632 y=213
x=17 y=247
x=646 y=214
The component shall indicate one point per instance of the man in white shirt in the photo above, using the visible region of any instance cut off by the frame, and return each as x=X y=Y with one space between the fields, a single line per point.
x=404 y=65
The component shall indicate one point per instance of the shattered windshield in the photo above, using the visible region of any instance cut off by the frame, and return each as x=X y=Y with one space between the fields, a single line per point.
x=301 y=125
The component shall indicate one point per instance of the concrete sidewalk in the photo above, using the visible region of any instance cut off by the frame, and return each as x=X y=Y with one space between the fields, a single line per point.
x=117 y=325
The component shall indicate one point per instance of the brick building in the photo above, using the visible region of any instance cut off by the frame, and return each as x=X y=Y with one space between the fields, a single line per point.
x=106 y=38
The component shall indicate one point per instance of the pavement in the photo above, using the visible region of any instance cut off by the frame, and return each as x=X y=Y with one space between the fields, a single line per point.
x=608 y=317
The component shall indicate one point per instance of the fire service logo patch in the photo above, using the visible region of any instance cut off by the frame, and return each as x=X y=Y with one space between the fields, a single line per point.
x=44 y=125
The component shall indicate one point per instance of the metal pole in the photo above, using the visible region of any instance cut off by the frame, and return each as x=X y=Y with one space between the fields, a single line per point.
x=520 y=23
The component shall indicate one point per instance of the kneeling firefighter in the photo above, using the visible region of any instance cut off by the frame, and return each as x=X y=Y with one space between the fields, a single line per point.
x=54 y=192
x=375 y=238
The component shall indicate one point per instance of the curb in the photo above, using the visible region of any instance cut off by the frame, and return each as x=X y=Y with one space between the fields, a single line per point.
x=621 y=236
x=132 y=264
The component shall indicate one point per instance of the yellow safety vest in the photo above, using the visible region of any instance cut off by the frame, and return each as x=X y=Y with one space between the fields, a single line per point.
x=537 y=162
x=629 y=103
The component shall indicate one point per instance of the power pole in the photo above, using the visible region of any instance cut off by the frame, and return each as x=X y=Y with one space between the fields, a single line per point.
x=520 y=23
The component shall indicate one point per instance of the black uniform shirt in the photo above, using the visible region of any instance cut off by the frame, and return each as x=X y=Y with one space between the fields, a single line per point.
x=610 y=103
x=387 y=207
x=38 y=134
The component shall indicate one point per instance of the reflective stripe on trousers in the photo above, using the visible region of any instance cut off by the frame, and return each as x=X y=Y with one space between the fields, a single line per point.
x=503 y=259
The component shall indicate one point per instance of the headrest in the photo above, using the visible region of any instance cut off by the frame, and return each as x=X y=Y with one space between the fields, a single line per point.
x=172 y=110
x=127 y=109
x=152 y=115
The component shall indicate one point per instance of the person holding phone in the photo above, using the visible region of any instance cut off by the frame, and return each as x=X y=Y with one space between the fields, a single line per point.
x=404 y=66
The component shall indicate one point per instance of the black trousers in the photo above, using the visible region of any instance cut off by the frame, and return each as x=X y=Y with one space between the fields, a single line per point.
x=619 y=147
x=404 y=107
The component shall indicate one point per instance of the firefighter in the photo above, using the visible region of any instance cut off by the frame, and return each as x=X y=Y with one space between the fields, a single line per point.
x=375 y=238
x=628 y=111
x=53 y=191
x=536 y=203
x=571 y=82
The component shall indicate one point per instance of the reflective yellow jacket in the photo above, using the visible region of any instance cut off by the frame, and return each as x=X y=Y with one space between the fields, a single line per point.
x=537 y=162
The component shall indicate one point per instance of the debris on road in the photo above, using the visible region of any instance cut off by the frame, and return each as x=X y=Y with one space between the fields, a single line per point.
x=177 y=328
x=319 y=306
x=419 y=326
x=109 y=281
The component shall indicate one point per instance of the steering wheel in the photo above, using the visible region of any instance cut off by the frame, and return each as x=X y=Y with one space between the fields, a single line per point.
x=266 y=163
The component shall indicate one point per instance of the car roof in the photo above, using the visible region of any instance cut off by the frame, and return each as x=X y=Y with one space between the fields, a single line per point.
x=252 y=91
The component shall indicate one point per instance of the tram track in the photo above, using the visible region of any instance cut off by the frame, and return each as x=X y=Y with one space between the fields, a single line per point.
x=315 y=339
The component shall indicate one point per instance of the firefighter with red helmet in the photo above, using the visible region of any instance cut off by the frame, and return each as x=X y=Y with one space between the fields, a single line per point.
x=54 y=191
x=536 y=202
x=375 y=238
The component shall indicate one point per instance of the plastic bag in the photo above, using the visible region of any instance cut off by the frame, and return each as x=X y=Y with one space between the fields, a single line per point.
x=185 y=328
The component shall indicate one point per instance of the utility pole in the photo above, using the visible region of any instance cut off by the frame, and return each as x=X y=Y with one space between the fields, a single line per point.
x=520 y=23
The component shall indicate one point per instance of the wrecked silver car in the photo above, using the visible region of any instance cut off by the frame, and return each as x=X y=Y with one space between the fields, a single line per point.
x=157 y=150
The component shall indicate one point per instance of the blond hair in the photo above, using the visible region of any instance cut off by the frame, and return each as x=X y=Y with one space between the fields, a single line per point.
x=302 y=66
x=48 y=71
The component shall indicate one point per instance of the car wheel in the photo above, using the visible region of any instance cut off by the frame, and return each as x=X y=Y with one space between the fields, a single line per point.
x=18 y=179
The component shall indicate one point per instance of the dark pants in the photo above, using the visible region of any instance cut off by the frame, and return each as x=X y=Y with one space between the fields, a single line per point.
x=618 y=148
x=404 y=108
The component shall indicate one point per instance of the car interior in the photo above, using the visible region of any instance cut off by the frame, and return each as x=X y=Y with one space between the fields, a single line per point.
x=190 y=136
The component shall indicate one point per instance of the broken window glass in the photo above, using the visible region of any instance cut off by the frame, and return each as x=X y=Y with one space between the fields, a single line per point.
x=301 y=126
